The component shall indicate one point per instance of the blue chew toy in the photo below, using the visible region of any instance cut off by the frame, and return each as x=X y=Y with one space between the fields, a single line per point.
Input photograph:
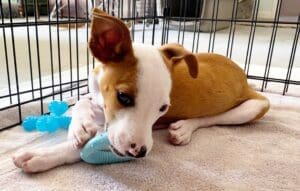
x=97 y=151
x=49 y=123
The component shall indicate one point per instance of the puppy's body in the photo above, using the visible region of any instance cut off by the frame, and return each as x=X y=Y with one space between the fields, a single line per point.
x=137 y=84
x=219 y=86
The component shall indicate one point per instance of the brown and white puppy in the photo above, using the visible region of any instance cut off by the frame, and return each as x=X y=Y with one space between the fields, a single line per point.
x=138 y=84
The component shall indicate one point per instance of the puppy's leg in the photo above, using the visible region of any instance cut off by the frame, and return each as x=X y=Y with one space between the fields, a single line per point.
x=86 y=121
x=46 y=158
x=181 y=131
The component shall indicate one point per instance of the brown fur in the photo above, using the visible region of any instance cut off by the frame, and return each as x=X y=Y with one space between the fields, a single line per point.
x=110 y=39
x=174 y=53
x=220 y=86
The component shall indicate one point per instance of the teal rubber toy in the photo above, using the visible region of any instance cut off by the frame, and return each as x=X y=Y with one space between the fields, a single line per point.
x=49 y=122
x=97 y=151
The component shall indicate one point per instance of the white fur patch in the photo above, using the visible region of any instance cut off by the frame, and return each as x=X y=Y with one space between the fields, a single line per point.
x=154 y=80
x=134 y=125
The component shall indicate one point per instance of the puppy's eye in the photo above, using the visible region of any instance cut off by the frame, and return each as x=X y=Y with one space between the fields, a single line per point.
x=125 y=99
x=163 y=108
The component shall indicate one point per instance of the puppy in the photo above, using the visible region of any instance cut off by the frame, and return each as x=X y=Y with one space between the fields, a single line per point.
x=135 y=85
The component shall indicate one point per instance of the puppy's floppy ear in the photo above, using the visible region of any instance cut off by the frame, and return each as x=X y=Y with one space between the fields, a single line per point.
x=175 y=53
x=110 y=38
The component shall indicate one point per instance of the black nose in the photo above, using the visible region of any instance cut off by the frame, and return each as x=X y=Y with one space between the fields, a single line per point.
x=142 y=152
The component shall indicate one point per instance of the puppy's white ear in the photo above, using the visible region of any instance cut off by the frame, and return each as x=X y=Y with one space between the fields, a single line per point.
x=175 y=53
x=94 y=86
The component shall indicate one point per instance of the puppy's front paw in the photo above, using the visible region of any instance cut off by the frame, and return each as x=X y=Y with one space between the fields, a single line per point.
x=31 y=162
x=83 y=131
x=85 y=121
x=181 y=132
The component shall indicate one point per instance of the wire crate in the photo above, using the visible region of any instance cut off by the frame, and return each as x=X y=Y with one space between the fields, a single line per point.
x=44 y=54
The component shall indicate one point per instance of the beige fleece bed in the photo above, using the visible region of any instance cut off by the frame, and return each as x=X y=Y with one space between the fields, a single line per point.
x=259 y=156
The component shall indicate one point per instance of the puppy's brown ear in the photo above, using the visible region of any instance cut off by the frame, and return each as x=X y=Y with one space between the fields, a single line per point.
x=175 y=52
x=110 y=38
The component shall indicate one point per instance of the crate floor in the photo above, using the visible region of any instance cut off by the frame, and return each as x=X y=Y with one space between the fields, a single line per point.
x=259 y=156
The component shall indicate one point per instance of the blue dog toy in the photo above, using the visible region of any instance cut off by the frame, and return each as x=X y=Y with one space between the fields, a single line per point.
x=97 y=151
x=49 y=123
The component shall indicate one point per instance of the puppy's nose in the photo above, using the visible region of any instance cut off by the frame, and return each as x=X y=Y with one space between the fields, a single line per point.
x=142 y=152
x=137 y=153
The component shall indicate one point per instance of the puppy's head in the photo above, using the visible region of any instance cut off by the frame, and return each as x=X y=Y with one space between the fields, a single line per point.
x=133 y=83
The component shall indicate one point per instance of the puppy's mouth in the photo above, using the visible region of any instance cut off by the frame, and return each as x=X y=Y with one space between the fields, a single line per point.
x=114 y=150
